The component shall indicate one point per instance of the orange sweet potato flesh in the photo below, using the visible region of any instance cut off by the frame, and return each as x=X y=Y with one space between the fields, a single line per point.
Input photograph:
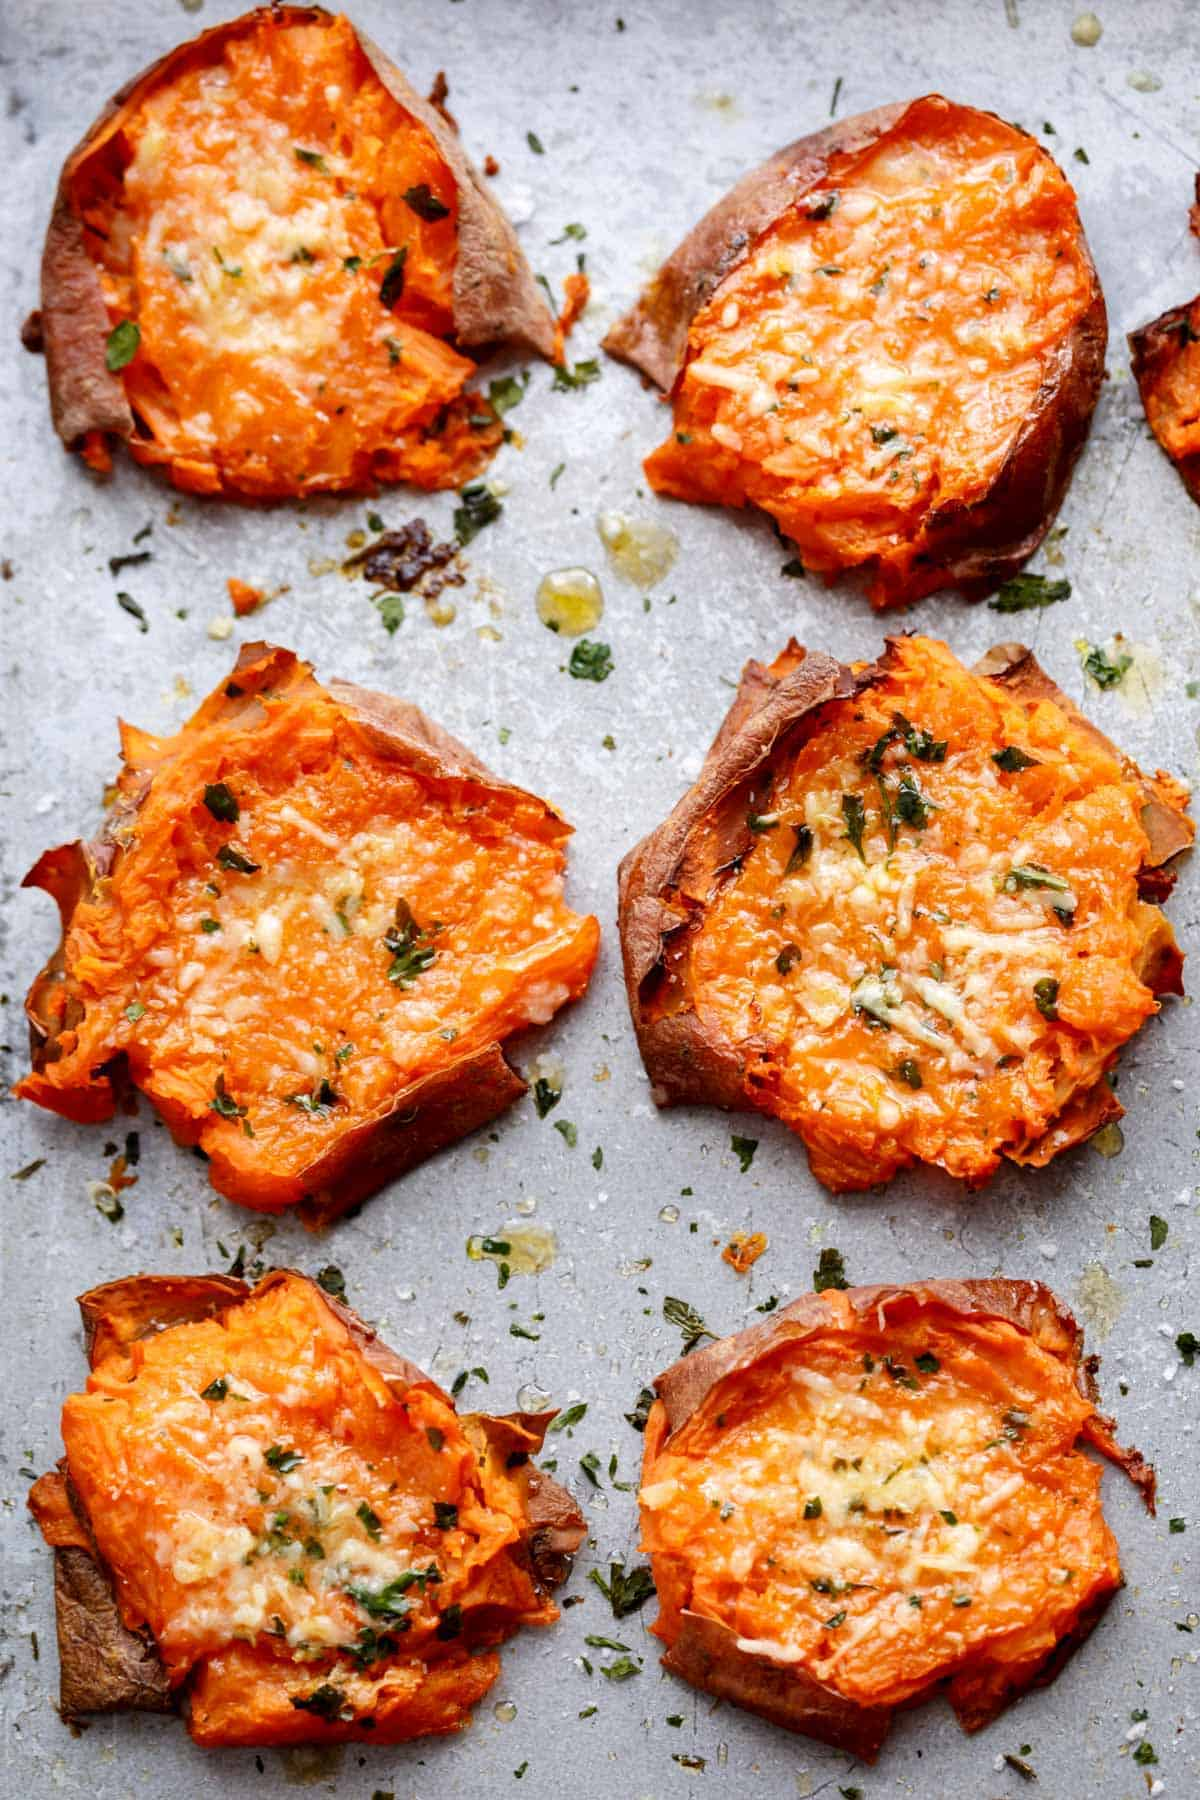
x=891 y=338
x=305 y=252
x=311 y=922
x=878 y=1492
x=908 y=909
x=311 y=1540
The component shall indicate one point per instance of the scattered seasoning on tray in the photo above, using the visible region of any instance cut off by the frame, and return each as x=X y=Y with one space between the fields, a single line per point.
x=743 y=1148
x=691 y=1325
x=131 y=560
x=568 y=1417
x=478 y=506
x=568 y=378
x=1106 y=665
x=626 y=1590
x=128 y=604
x=590 y=661
x=743 y=1250
x=641 y=1409
x=408 y=558
x=1025 y=591
x=830 y=1271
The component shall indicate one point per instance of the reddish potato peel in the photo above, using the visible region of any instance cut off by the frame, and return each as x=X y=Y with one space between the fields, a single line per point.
x=311 y=922
x=1166 y=367
x=908 y=908
x=295 y=253
x=876 y=1493
x=342 y=1561
x=891 y=337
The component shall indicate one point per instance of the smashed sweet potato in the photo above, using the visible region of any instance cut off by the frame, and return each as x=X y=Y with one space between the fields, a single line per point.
x=878 y=1492
x=268 y=1519
x=891 y=338
x=265 y=262
x=1166 y=366
x=907 y=908
x=309 y=924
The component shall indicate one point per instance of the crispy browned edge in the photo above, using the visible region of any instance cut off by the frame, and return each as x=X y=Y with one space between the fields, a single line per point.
x=972 y=547
x=496 y=299
x=706 y=1652
x=428 y=1116
x=105 y=1667
x=1152 y=349
x=707 y=830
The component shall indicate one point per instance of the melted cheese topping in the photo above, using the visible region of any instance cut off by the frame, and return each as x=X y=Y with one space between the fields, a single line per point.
x=916 y=993
x=881 y=1505
x=875 y=355
x=255 y=1482
x=249 y=232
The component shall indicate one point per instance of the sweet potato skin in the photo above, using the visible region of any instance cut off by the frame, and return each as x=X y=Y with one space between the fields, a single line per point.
x=105 y=1667
x=1153 y=349
x=433 y=1112
x=973 y=548
x=496 y=299
x=687 y=1062
x=704 y=833
x=706 y=1652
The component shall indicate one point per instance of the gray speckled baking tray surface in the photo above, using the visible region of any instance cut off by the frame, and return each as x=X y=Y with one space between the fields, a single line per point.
x=642 y=128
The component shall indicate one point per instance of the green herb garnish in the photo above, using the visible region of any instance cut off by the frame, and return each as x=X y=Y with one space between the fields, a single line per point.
x=743 y=1148
x=392 y=285
x=830 y=1271
x=230 y=857
x=1012 y=760
x=569 y=1416
x=1025 y=591
x=546 y=1096
x=567 y=379
x=855 y=815
x=282 y=1460
x=1106 y=671
x=590 y=661
x=221 y=801
x=409 y=947
x=425 y=203
x=626 y=1590
x=325 y=1701
x=692 y=1326
x=477 y=507
x=121 y=345
x=223 y=1102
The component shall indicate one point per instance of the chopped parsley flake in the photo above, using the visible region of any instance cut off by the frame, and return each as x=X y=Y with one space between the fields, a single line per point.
x=1025 y=591
x=830 y=1271
x=590 y=661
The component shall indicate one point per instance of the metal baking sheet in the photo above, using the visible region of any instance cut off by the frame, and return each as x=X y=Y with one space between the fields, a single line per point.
x=644 y=120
